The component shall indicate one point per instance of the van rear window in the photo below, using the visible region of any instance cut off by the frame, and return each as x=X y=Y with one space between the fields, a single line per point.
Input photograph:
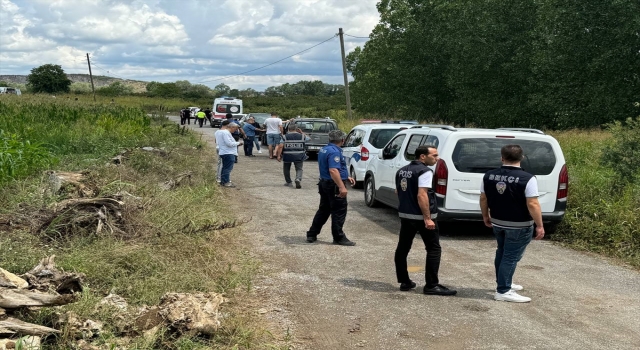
x=226 y=108
x=380 y=137
x=482 y=155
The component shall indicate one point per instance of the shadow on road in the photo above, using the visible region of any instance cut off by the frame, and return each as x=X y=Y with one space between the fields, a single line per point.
x=373 y=286
x=301 y=240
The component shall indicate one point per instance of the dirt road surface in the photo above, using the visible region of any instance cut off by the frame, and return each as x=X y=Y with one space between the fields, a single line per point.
x=334 y=297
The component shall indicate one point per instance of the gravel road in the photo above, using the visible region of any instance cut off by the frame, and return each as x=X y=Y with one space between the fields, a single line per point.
x=335 y=297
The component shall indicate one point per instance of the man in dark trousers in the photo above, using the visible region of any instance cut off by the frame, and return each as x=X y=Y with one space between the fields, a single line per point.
x=208 y=115
x=333 y=190
x=293 y=151
x=418 y=212
x=187 y=116
x=509 y=203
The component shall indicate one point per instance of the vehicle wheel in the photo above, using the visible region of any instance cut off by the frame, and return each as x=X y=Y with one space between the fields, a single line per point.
x=352 y=173
x=370 y=192
x=550 y=228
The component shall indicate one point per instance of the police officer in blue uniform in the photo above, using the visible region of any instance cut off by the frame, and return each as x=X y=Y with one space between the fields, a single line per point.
x=509 y=204
x=333 y=190
x=418 y=211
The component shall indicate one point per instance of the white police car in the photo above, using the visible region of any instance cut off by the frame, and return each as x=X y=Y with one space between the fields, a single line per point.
x=366 y=140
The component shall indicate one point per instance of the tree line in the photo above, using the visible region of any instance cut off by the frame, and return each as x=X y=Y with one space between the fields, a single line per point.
x=517 y=63
x=51 y=78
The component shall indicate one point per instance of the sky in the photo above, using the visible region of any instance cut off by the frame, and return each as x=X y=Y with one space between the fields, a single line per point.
x=202 y=41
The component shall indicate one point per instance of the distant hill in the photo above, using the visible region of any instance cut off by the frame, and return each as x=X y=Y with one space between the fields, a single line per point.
x=98 y=80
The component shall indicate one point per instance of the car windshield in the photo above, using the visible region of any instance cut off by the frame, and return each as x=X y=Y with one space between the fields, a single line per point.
x=482 y=155
x=228 y=108
x=316 y=126
x=380 y=137
x=260 y=117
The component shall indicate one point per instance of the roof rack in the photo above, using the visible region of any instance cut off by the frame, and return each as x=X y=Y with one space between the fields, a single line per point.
x=535 y=131
x=435 y=126
x=372 y=121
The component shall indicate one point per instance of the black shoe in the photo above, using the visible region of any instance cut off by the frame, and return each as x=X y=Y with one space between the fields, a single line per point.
x=439 y=290
x=311 y=239
x=298 y=184
x=344 y=241
x=407 y=286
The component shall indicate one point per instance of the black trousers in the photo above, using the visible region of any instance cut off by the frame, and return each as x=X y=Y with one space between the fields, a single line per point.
x=200 y=121
x=330 y=206
x=431 y=239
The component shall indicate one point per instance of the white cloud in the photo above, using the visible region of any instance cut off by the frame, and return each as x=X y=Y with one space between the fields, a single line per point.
x=169 y=40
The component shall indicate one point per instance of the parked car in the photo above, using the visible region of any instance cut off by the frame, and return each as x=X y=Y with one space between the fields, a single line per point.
x=366 y=140
x=10 y=91
x=316 y=128
x=465 y=155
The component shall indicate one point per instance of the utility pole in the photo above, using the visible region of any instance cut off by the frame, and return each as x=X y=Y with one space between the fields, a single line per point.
x=91 y=76
x=344 y=72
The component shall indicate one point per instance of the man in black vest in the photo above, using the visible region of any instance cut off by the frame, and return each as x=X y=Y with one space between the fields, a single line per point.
x=418 y=211
x=293 y=152
x=509 y=203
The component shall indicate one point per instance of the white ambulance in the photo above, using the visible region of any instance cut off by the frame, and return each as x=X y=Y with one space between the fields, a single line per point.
x=224 y=105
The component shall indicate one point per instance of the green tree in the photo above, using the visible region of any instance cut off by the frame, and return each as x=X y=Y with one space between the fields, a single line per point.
x=623 y=153
x=221 y=90
x=48 y=78
x=115 y=89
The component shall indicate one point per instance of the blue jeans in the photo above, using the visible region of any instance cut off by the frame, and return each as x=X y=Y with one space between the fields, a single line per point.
x=256 y=140
x=248 y=146
x=227 y=165
x=511 y=246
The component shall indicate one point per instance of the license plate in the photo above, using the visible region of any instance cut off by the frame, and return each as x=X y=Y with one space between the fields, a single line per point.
x=313 y=147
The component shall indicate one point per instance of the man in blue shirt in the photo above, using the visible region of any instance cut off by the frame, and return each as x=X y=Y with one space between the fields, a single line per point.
x=250 y=134
x=333 y=190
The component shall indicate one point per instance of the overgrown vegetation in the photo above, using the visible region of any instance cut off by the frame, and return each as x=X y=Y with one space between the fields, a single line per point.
x=178 y=240
x=599 y=218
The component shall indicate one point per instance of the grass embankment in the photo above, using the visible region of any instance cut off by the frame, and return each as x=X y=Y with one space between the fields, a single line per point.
x=180 y=240
x=599 y=218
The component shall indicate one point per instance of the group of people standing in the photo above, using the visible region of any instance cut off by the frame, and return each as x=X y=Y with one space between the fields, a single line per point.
x=287 y=148
x=511 y=216
x=200 y=116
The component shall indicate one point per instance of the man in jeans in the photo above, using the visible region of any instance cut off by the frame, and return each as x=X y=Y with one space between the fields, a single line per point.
x=293 y=152
x=273 y=125
x=228 y=150
x=250 y=133
x=509 y=203
x=223 y=126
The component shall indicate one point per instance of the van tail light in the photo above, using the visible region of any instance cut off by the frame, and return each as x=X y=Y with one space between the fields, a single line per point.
x=563 y=183
x=440 y=180
x=364 y=153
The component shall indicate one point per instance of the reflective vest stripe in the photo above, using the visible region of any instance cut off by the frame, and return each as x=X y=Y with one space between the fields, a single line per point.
x=512 y=223
x=415 y=217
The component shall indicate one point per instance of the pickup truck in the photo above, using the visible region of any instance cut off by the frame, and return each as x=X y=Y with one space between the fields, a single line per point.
x=316 y=128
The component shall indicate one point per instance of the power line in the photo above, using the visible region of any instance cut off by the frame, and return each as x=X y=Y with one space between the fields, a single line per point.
x=106 y=71
x=270 y=64
x=353 y=36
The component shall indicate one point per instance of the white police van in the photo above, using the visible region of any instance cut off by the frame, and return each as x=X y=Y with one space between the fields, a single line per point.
x=224 y=105
x=465 y=155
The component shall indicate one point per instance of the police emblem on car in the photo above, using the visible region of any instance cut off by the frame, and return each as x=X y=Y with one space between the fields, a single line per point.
x=501 y=186
x=404 y=184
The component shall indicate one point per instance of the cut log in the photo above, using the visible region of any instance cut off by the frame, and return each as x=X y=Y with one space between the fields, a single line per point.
x=19 y=298
x=20 y=327
x=46 y=277
x=9 y=280
x=60 y=180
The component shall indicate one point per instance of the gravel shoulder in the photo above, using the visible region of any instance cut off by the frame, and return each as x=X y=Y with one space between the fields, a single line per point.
x=334 y=297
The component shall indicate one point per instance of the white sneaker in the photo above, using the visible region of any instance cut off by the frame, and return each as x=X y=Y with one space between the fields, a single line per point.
x=511 y=296
x=516 y=287
x=259 y=151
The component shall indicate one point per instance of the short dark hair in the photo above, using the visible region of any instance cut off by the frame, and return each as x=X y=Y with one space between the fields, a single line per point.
x=225 y=122
x=229 y=115
x=274 y=113
x=511 y=153
x=424 y=149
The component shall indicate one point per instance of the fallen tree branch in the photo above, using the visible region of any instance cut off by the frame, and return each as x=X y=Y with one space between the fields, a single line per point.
x=19 y=298
x=12 y=325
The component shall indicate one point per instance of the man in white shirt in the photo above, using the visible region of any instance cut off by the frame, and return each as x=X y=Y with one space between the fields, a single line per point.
x=223 y=126
x=228 y=151
x=274 y=135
